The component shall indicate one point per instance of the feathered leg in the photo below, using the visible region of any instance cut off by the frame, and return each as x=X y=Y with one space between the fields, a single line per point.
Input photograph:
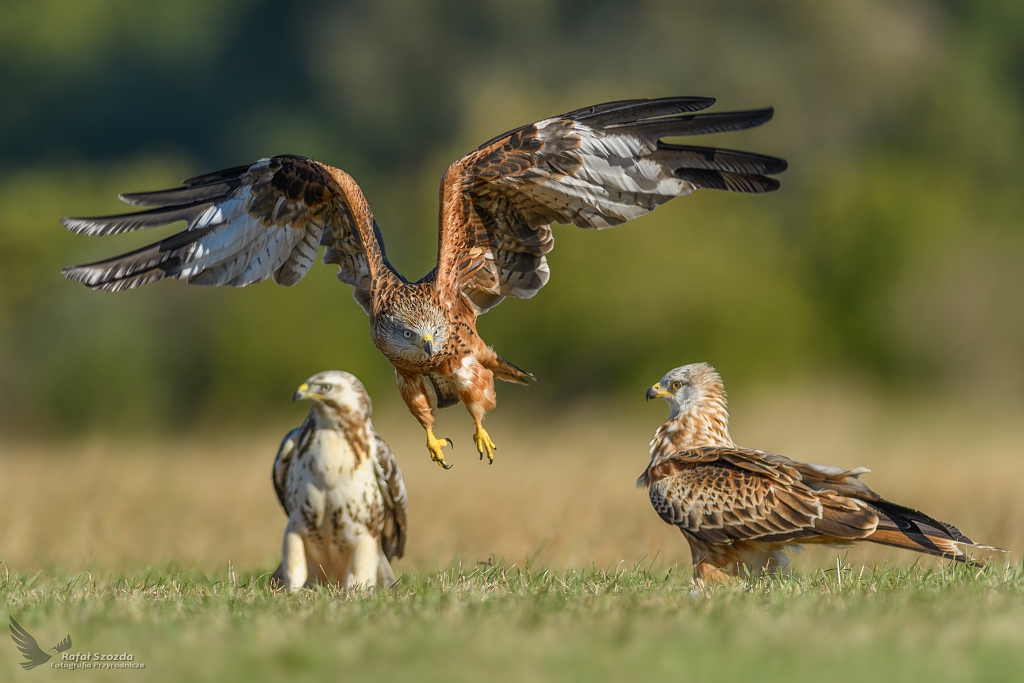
x=365 y=557
x=475 y=386
x=414 y=393
x=706 y=573
x=293 y=558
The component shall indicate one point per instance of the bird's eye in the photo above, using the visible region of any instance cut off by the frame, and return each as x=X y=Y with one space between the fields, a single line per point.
x=677 y=385
x=326 y=387
x=407 y=334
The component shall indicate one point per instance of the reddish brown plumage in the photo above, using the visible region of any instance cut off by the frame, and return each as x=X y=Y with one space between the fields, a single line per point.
x=594 y=168
x=739 y=509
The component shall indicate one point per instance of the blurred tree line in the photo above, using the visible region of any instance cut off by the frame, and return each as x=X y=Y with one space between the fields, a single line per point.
x=894 y=251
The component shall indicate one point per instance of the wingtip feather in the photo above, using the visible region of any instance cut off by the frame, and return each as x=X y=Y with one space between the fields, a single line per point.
x=79 y=226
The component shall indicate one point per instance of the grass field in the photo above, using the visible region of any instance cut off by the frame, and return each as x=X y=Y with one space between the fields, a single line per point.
x=555 y=566
x=510 y=624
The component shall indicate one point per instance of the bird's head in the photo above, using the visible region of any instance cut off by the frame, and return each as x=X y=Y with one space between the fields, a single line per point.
x=336 y=397
x=695 y=388
x=412 y=327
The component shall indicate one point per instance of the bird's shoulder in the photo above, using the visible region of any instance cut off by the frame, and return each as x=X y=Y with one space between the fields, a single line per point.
x=294 y=443
x=775 y=468
x=758 y=462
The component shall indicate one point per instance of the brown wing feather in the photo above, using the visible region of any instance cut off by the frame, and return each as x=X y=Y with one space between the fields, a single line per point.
x=245 y=224
x=728 y=495
x=593 y=168
x=291 y=444
x=717 y=502
x=392 y=488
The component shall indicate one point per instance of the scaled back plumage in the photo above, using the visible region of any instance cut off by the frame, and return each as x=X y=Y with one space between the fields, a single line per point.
x=739 y=509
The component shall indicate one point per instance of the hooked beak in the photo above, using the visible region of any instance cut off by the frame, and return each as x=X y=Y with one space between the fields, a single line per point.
x=302 y=393
x=428 y=344
x=656 y=392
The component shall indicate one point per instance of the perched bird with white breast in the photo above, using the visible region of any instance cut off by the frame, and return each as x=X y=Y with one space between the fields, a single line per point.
x=341 y=488
x=740 y=509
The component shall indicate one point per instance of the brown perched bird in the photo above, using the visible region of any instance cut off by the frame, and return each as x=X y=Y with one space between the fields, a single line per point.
x=739 y=509
x=594 y=168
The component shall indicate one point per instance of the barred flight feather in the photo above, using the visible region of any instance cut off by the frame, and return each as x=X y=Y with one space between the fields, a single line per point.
x=611 y=113
x=181 y=195
x=594 y=167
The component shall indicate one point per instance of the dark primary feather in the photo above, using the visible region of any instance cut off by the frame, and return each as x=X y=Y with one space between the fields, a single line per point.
x=595 y=167
x=128 y=222
x=166 y=258
x=720 y=180
x=227 y=174
x=695 y=124
x=180 y=195
x=690 y=156
x=244 y=224
x=611 y=113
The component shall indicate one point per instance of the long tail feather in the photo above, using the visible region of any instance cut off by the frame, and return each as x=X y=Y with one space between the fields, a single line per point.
x=507 y=372
x=903 y=527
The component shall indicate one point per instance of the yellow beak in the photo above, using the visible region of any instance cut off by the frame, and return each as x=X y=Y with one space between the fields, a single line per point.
x=428 y=344
x=303 y=393
x=657 y=392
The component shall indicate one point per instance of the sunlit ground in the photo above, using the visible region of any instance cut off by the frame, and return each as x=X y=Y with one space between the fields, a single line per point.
x=554 y=567
x=561 y=491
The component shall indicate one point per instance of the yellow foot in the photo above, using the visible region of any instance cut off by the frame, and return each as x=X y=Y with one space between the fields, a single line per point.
x=435 y=445
x=484 y=445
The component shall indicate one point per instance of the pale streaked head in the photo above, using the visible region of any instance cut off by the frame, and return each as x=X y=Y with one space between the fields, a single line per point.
x=693 y=387
x=335 y=395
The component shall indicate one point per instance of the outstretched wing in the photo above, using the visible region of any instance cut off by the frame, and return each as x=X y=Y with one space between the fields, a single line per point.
x=64 y=645
x=392 y=487
x=28 y=646
x=594 y=168
x=245 y=224
x=726 y=495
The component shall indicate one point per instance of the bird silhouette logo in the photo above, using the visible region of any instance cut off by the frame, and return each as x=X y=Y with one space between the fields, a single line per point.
x=34 y=655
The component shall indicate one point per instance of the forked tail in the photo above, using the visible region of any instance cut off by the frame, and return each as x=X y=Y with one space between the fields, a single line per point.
x=903 y=527
x=507 y=372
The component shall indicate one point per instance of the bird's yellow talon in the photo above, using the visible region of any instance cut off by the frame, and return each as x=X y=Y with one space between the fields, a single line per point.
x=435 y=446
x=484 y=445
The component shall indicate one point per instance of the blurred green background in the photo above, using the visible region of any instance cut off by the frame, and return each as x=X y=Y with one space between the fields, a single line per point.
x=892 y=256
